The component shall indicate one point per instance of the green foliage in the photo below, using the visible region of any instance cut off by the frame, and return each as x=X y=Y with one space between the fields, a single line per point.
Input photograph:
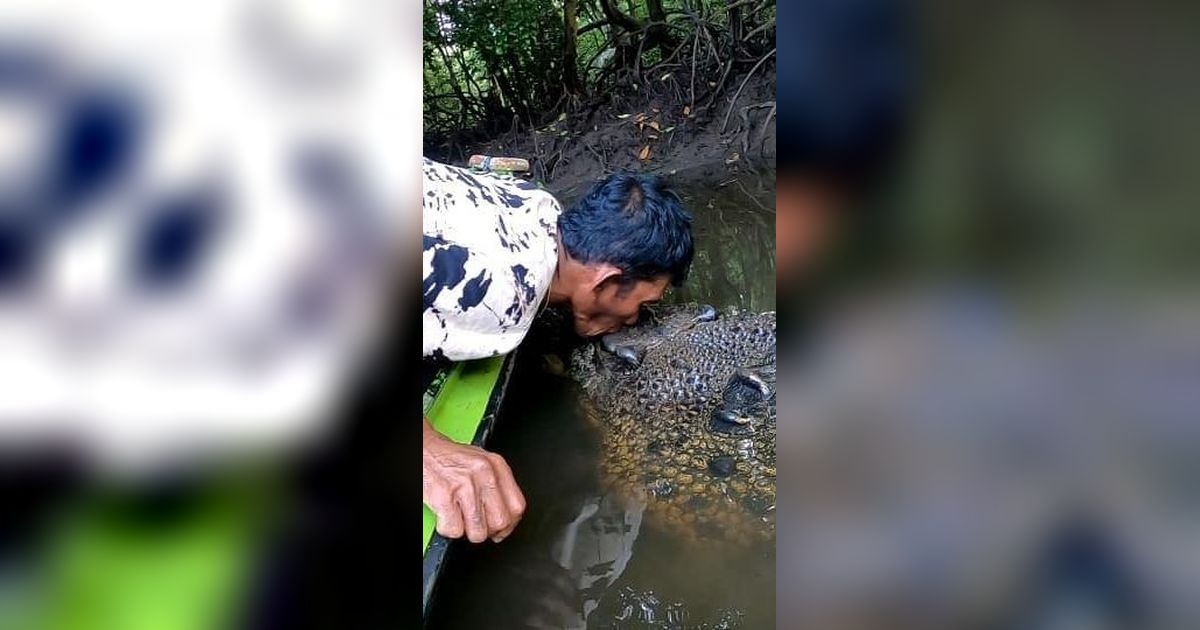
x=488 y=61
x=484 y=57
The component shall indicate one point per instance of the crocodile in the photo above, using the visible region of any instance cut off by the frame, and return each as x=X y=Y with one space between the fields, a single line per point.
x=684 y=402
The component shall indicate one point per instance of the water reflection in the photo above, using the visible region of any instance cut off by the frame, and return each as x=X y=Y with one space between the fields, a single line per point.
x=734 y=225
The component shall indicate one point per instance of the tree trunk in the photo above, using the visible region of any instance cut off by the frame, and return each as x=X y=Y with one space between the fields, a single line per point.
x=735 y=30
x=615 y=17
x=658 y=34
x=570 y=63
x=463 y=102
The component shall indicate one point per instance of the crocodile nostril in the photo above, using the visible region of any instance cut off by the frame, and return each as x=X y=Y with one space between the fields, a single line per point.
x=609 y=343
x=629 y=354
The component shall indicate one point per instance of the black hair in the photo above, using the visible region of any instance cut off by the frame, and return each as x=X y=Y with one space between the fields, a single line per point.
x=636 y=223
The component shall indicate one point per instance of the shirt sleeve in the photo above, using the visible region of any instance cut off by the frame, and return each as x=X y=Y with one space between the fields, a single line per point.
x=487 y=265
x=476 y=305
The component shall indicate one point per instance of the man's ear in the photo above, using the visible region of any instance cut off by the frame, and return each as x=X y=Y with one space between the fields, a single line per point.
x=603 y=274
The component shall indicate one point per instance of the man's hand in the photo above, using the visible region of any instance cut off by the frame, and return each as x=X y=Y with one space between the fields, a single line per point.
x=468 y=489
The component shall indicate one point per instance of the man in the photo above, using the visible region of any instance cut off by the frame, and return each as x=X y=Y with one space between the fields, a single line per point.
x=495 y=252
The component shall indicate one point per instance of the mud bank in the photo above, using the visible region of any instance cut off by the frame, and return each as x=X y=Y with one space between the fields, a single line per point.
x=652 y=135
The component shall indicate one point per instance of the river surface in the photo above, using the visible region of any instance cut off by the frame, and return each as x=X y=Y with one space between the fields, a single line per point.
x=581 y=558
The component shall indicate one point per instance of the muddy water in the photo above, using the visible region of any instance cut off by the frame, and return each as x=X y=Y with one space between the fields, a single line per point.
x=582 y=558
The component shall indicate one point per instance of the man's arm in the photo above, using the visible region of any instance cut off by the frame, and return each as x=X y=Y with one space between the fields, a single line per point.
x=468 y=489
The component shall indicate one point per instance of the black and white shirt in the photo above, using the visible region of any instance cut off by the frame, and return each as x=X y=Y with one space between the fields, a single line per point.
x=489 y=250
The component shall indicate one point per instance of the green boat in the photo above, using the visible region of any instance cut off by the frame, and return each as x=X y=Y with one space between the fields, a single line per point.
x=461 y=404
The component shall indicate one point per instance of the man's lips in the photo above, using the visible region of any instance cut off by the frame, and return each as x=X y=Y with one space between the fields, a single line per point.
x=598 y=331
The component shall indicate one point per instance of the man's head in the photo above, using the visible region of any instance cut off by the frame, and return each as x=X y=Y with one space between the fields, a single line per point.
x=623 y=244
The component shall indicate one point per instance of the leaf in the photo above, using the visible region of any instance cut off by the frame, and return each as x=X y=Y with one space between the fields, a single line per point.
x=653 y=124
x=562 y=117
x=623 y=116
x=665 y=77
x=645 y=154
x=668 y=129
x=652 y=137
x=687 y=110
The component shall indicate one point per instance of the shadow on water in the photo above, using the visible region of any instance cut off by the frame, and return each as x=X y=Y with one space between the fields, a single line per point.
x=580 y=551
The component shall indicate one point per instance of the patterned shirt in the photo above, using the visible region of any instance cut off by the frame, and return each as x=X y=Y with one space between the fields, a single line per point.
x=489 y=250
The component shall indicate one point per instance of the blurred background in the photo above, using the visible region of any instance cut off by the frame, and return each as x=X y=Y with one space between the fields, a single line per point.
x=985 y=215
x=204 y=207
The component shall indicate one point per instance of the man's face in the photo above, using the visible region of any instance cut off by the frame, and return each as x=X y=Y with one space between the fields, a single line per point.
x=612 y=305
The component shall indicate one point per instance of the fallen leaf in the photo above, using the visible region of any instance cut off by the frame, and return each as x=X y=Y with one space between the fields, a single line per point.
x=645 y=154
x=687 y=110
x=654 y=125
x=668 y=129
x=623 y=116
x=665 y=77
x=562 y=116
x=652 y=137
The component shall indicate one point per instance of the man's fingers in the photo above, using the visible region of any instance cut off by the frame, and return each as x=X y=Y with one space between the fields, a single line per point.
x=473 y=516
x=498 y=518
x=508 y=487
x=449 y=519
x=472 y=492
x=504 y=533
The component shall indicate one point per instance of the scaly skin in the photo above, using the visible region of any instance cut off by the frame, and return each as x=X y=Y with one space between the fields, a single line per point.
x=653 y=391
